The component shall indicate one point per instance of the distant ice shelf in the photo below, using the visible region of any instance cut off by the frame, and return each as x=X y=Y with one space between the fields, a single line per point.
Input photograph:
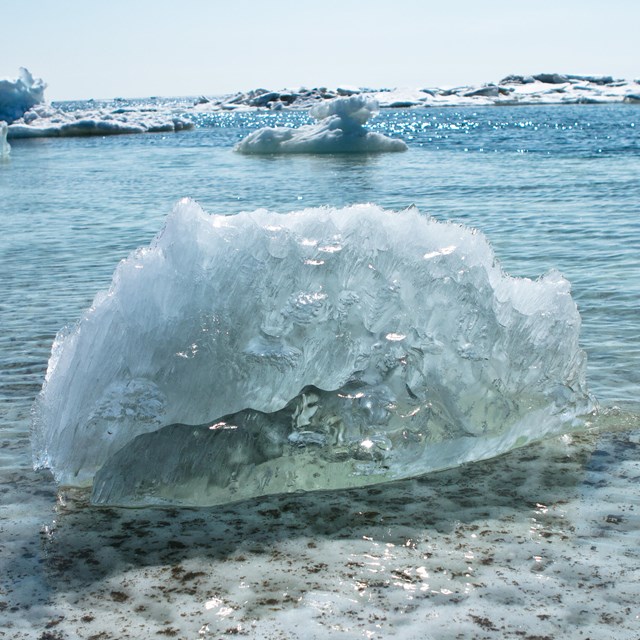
x=542 y=89
x=340 y=129
x=261 y=353
x=23 y=106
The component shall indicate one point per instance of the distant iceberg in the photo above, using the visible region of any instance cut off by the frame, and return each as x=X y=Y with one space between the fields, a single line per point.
x=340 y=129
x=327 y=348
x=18 y=95
x=5 y=147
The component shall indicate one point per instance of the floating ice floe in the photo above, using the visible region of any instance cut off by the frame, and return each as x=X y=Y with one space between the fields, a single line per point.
x=340 y=129
x=46 y=121
x=19 y=94
x=5 y=147
x=263 y=353
x=22 y=105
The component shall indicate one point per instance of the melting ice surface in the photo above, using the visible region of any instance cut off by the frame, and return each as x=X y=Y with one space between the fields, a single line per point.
x=5 y=147
x=327 y=348
x=340 y=129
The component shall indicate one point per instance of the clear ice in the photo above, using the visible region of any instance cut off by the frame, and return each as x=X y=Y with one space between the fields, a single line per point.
x=260 y=353
x=5 y=147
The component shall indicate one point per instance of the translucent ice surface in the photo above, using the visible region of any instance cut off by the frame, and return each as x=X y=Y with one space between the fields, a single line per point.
x=340 y=129
x=327 y=348
x=5 y=147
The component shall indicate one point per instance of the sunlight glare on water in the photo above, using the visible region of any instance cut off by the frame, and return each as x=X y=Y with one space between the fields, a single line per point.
x=518 y=542
x=78 y=206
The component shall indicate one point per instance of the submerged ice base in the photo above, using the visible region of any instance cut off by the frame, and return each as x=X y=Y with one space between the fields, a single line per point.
x=340 y=129
x=5 y=147
x=322 y=349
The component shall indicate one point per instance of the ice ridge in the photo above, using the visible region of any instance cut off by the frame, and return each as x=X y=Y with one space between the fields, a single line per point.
x=5 y=147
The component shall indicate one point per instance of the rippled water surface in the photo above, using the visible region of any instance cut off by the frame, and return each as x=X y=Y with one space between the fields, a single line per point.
x=518 y=544
x=552 y=187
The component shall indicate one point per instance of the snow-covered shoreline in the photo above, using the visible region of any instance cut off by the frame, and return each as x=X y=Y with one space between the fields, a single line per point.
x=544 y=88
x=23 y=106
x=508 y=548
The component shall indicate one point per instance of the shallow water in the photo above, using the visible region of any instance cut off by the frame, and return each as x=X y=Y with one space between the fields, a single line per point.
x=551 y=187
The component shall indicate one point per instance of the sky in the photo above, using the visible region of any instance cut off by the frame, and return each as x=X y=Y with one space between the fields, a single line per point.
x=142 y=48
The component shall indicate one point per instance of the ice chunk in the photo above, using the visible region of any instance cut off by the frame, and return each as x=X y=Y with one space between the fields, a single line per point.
x=260 y=353
x=20 y=94
x=5 y=147
x=340 y=129
x=46 y=121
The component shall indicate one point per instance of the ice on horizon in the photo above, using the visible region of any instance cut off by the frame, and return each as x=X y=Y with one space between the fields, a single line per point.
x=23 y=106
x=264 y=353
x=340 y=129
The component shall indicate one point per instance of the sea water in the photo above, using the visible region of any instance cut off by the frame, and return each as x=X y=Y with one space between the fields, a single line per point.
x=551 y=187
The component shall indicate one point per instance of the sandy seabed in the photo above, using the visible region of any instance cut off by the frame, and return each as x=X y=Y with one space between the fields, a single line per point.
x=541 y=543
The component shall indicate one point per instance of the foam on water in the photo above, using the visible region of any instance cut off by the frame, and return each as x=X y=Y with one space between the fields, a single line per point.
x=327 y=348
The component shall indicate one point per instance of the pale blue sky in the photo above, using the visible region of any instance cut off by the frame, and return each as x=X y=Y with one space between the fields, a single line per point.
x=139 y=48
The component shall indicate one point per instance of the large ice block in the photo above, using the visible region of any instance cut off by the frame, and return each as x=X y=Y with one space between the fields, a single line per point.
x=326 y=348
x=19 y=94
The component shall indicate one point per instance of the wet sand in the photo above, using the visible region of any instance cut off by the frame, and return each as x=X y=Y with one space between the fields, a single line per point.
x=541 y=543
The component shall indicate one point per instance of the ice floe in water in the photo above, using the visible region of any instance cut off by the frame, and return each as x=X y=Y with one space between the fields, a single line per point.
x=47 y=121
x=340 y=129
x=23 y=107
x=326 y=348
x=19 y=94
